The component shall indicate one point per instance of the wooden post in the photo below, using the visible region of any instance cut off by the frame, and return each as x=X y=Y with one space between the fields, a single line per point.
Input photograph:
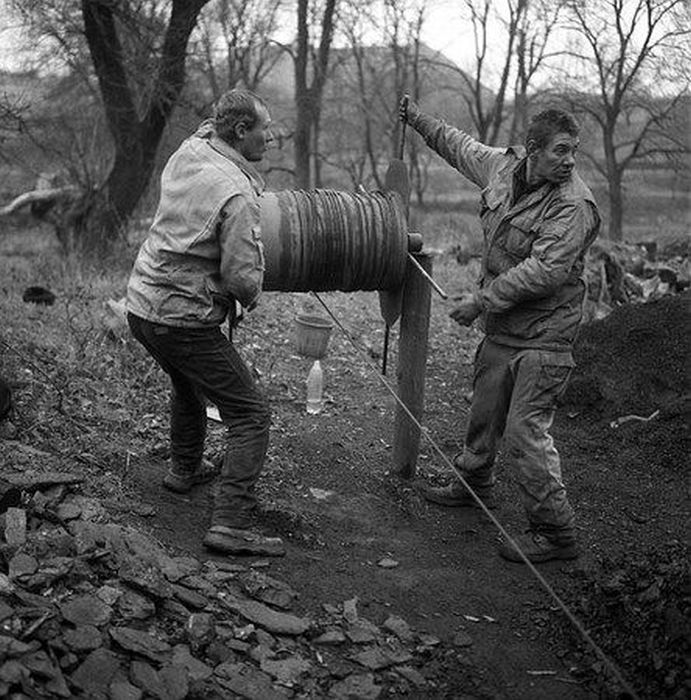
x=412 y=360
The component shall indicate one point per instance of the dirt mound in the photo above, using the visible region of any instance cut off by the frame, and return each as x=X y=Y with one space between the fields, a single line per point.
x=639 y=607
x=633 y=366
x=635 y=361
x=631 y=390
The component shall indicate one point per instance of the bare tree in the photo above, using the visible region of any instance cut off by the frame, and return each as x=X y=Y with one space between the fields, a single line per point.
x=513 y=42
x=535 y=29
x=138 y=52
x=384 y=59
x=633 y=82
x=12 y=115
x=235 y=46
x=136 y=128
x=311 y=70
x=487 y=109
x=359 y=101
x=404 y=22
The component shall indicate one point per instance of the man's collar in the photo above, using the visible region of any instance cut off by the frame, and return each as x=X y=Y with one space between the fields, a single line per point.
x=520 y=176
x=521 y=186
x=224 y=148
x=207 y=131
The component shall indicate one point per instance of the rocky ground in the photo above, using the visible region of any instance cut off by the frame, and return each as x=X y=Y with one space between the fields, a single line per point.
x=91 y=608
x=106 y=592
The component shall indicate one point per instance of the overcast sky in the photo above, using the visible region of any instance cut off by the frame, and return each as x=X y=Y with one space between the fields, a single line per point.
x=443 y=31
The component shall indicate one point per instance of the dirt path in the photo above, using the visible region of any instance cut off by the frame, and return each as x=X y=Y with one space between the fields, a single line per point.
x=448 y=578
x=328 y=491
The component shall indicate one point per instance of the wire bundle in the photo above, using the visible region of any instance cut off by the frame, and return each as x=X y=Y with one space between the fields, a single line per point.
x=326 y=240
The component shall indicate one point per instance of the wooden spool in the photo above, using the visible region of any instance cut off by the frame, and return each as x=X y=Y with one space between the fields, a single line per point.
x=326 y=240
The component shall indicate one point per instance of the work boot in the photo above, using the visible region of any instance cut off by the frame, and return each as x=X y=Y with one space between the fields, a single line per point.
x=455 y=495
x=230 y=540
x=182 y=481
x=539 y=548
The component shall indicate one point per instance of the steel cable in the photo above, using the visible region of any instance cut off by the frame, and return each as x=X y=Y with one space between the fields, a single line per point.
x=614 y=670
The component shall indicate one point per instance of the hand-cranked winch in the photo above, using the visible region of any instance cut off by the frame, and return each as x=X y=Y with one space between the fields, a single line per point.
x=328 y=240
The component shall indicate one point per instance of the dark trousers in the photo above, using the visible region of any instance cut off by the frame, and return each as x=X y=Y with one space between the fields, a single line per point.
x=515 y=392
x=203 y=364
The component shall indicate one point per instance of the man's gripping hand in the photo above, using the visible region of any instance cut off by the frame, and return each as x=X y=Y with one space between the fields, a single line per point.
x=408 y=110
x=468 y=308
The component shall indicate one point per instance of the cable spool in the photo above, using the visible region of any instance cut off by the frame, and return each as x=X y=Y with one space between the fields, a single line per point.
x=326 y=240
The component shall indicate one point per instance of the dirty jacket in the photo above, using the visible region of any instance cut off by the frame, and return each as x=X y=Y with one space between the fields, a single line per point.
x=204 y=250
x=532 y=285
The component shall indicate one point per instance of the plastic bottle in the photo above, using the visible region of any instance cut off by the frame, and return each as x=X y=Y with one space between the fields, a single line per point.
x=315 y=388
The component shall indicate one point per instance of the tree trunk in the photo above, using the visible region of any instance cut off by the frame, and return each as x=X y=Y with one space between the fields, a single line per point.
x=103 y=214
x=519 y=120
x=616 y=207
x=308 y=96
x=303 y=102
x=416 y=176
x=316 y=162
x=614 y=182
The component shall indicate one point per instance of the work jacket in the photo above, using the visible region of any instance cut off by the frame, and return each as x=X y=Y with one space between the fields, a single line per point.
x=204 y=250
x=532 y=285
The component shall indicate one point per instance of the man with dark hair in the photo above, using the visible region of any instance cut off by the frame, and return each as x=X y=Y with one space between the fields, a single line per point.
x=538 y=219
x=202 y=258
x=545 y=124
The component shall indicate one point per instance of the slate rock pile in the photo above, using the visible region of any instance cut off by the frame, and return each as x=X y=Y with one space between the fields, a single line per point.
x=94 y=609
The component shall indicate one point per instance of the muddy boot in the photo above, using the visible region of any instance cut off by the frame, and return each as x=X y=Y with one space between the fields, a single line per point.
x=455 y=495
x=228 y=540
x=538 y=547
x=183 y=481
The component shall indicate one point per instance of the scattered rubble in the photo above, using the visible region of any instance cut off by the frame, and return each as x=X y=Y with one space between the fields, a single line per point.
x=623 y=273
x=638 y=608
x=90 y=608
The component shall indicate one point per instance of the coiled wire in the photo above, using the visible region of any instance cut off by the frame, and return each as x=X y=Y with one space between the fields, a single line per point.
x=326 y=240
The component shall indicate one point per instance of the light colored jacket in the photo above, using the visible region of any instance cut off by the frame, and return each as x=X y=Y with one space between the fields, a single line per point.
x=204 y=248
x=532 y=284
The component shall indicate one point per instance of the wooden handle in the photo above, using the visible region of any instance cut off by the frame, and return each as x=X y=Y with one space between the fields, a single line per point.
x=401 y=145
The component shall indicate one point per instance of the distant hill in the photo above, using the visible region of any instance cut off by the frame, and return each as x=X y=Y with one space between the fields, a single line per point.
x=53 y=102
x=361 y=101
x=442 y=86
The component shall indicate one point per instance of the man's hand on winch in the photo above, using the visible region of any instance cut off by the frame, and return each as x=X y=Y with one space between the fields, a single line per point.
x=468 y=308
x=407 y=110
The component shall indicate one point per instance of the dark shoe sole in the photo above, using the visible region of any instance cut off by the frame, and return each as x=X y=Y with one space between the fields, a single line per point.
x=557 y=554
x=243 y=542
x=464 y=502
x=184 y=484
